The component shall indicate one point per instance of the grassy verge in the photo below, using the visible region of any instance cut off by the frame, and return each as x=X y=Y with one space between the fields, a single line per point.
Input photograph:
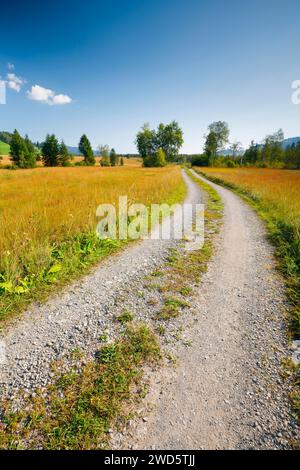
x=39 y=271
x=286 y=238
x=78 y=409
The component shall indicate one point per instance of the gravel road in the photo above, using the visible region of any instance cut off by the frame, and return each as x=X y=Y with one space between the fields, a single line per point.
x=226 y=391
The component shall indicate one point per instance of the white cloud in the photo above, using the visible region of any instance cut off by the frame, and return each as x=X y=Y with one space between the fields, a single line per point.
x=61 y=99
x=10 y=66
x=45 y=95
x=14 y=82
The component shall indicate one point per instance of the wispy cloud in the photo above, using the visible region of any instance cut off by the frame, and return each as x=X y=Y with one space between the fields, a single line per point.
x=47 y=96
x=10 y=66
x=14 y=82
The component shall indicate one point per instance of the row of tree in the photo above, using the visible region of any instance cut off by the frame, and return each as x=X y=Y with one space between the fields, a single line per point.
x=270 y=153
x=25 y=154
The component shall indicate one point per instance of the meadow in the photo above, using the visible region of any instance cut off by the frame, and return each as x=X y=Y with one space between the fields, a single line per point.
x=48 y=221
x=275 y=195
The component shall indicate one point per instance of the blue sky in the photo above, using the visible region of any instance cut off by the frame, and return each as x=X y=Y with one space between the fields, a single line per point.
x=110 y=66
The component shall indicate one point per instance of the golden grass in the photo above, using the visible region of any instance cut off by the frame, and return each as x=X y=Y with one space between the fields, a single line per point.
x=47 y=205
x=45 y=208
x=132 y=162
x=279 y=189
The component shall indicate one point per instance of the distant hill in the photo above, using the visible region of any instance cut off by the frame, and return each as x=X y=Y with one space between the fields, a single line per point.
x=4 y=148
x=290 y=141
x=76 y=151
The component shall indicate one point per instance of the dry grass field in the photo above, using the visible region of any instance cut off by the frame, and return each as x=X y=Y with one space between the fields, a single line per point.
x=48 y=217
x=132 y=162
x=279 y=189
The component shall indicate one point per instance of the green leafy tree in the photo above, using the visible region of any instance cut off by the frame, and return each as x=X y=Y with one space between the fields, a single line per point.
x=87 y=151
x=103 y=150
x=169 y=138
x=64 y=156
x=217 y=137
x=50 y=151
x=146 y=141
x=122 y=161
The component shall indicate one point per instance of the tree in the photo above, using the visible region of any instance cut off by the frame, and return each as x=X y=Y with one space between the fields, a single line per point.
x=236 y=148
x=216 y=139
x=103 y=150
x=22 y=151
x=145 y=141
x=252 y=154
x=158 y=159
x=169 y=138
x=122 y=161
x=87 y=151
x=105 y=161
x=113 y=157
x=50 y=150
x=272 y=152
x=64 y=156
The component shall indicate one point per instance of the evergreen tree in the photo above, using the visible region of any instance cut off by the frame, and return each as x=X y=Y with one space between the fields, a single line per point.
x=22 y=151
x=64 y=156
x=50 y=151
x=87 y=151
x=113 y=157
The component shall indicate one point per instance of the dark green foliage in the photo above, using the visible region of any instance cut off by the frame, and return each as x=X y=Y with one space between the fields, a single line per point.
x=64 y=156
x=6 y=137
x=122 y=161
x=50 y=151
x=113 y=157
x=22 y=151
x=87 y=151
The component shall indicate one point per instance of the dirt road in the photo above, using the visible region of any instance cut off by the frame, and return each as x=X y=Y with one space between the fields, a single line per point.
x=226 y=391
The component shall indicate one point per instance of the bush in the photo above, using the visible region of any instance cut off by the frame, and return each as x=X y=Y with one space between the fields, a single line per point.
x=158 y=159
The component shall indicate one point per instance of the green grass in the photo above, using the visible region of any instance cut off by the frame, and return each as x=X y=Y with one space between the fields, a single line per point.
x=77 y=411
x=4 y=148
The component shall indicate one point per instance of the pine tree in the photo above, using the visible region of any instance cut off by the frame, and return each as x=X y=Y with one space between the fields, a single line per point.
x=17 y=149
x=64 y=156
x=22 y=151
x=87 y=151
x=113 y=157
x=50 y=151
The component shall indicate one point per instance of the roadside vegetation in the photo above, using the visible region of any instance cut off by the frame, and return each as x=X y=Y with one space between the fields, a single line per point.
x=77 y=411
x=48 y=222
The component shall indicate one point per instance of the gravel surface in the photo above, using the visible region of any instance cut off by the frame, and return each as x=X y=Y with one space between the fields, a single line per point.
x=84 y=311
x=226 y=390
